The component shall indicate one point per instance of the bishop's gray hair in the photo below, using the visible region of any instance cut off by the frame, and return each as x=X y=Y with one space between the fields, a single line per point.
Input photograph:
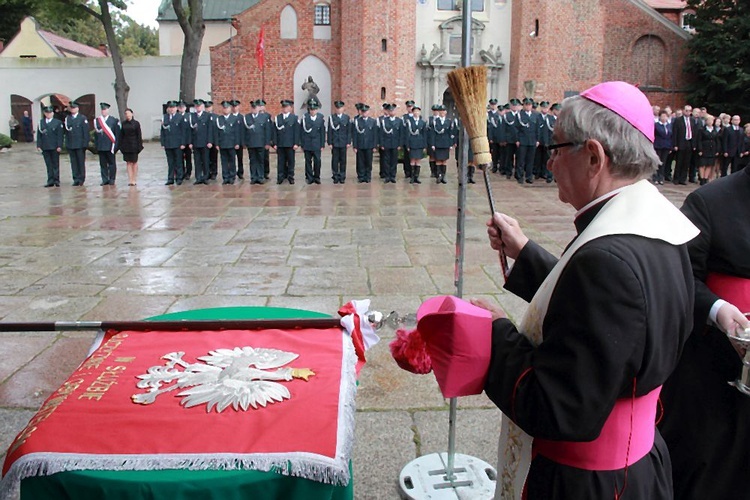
x=631 y=154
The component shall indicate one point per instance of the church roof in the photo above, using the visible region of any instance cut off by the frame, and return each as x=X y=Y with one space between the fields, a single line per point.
x=64 y=46
x=213 y=10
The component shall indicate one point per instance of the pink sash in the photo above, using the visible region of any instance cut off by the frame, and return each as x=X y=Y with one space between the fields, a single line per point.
x=627 y=436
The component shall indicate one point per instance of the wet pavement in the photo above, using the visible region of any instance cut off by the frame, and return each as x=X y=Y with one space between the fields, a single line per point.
x=124 y=253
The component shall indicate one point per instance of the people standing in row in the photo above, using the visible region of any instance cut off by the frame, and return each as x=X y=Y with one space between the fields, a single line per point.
x=285 y=141
x=258 y=140
x=312 y=140
x=107 y=141
x=340 y=139
x=364 y=142
x=173 y=138
x=49 y=140
x=76 y=142
x=202 y=138
x=131 y=144
x=390 y=134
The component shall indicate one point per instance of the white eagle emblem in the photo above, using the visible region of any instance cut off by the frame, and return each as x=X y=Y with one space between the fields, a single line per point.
x=241 y=377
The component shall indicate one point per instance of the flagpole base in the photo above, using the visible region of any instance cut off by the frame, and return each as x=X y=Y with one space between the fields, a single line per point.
x=425 y=478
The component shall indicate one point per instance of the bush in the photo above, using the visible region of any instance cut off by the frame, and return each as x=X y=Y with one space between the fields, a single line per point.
x=5 y=141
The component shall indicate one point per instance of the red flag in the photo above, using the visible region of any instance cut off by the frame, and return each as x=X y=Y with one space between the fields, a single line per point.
x=260 y=49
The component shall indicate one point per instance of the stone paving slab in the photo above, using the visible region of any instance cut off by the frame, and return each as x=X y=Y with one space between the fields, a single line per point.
x=121 y=253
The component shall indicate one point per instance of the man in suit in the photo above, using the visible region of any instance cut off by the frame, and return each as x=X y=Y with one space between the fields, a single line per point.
x=107 y=130
x=527 y=126
x=76 y=142
x=662 y=145
x=684 y=143
x=732 y=140
x=285 y=140
x=240 y=155
x=202 y=138
x=339 y=138
x=49 y=140
x=228 y=139
x=258 y=141
x=390 y=140
x=364 y=141
x=173 y=139
x=261 y=106
x=187 y=156
x=312 y=140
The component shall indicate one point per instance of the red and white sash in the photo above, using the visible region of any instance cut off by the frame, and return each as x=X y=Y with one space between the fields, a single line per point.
x=104 y=128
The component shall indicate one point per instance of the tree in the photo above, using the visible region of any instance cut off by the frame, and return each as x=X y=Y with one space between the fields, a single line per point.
x=193 y=27
x=719 y=55
x=136 y=40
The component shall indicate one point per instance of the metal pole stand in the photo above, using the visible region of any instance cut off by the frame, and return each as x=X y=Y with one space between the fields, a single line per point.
x=425 y=478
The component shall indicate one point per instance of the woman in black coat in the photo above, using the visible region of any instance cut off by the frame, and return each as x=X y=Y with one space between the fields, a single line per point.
x=131 y=143
x=708 y=149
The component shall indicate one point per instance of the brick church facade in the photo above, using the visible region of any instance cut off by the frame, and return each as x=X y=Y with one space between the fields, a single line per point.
x=369 y=50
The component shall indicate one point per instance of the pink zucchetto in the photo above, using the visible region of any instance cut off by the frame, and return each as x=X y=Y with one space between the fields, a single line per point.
x=627 y=101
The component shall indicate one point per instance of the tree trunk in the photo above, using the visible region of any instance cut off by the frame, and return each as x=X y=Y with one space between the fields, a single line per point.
x=122 y=89
x=193 y=28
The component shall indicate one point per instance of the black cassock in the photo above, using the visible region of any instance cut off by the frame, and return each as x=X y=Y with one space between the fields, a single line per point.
x=619 y=314
x=706 y=422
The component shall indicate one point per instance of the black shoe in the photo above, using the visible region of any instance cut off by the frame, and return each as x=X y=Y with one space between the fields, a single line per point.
x=683 y=183
x=49 y=185
x=529 y=181
x=442 y=180
x=549 y=180
x=471 y=181
x=240 y=176
x=317 y=181
x=291 y=181
x=308 y=181
x=411 y=181
x=169 y=183
x=507 y=176
x=179 y=183
x=104 y=184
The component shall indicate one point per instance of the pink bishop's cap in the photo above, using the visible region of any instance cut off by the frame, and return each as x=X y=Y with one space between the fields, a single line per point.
x=627 y=101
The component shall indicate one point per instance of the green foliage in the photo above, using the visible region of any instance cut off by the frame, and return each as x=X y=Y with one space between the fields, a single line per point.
x=719 y=56
x=76 y=24
x=5 y=141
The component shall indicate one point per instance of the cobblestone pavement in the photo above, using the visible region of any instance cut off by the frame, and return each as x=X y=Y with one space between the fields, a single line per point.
x=119 y=252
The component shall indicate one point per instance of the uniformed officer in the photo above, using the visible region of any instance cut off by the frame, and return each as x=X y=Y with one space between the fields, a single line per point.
x=187 y=156
x=213 y=151
x=240 y=155
x=390 y=141
x=285 y=140
x=546 y=126
x=76 y=142
x=339 y=138
x=433 y=164
x=202 y=132
x=494 y=126
x=527 y=125
x=107 y=141
x=312 y=140
x=407 y=116
x=261 y=104
x=415 y=140
x=49 y=140
x=173 y=141
x=258 y=141
x=364 y=142
x=381 y=158
x=442 y=136
x=227 y=134
x=510 y=121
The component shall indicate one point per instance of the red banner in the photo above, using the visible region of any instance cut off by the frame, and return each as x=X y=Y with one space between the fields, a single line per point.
x=260 y=48
x=92 y=421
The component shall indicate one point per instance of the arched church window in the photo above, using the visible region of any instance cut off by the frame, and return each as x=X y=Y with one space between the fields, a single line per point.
x=288 y=22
